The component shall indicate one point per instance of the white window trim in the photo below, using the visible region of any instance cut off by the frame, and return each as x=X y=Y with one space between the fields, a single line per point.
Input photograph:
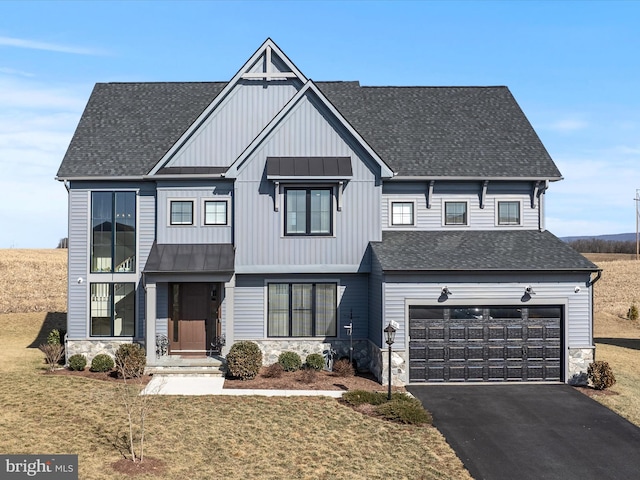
x=391 y=201
x=497 y=212
x=194 y=215
x=444 y=212
x=203 y=211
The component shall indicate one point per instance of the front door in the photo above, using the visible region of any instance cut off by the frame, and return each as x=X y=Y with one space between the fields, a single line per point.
x=190 y=318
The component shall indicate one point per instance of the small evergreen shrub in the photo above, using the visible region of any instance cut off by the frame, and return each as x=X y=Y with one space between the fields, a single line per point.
x=601 y=375
x=273 y=371
x=102 y=363
x=55 y=337
x=632 y=314
x=406 y=410
x=244 y=360
x=290 y=361
x=52 y=355
x=314 y=361
x=130 y=360
x=356 y=398
x=77 y=362
x=343 y=368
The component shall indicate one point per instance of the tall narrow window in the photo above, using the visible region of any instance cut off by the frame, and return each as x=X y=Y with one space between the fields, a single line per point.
x=402 y=213
x=302 y=309
x=508 y=213
x=455 y=213
x=113 y=232
x=181 y=212
x=215 y=212
x=308 y=211
x=113 y=309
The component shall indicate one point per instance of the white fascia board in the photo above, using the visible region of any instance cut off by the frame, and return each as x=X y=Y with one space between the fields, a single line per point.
x=386 y=172
x=422 y=178
x=222 y=95
x=101 y=178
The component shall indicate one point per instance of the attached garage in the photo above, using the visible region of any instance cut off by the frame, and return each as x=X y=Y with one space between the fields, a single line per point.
x=485 y=343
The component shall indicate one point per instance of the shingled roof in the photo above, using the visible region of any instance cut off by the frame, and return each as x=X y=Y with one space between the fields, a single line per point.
x=475 y=132
x=482 y=251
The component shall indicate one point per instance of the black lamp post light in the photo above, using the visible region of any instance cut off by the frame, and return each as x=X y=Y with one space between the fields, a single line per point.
x=390 y=335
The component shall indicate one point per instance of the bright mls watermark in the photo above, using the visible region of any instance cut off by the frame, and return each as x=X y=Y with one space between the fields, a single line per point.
x=50 y=467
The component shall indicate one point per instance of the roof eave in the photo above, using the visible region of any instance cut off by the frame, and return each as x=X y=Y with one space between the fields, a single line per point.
x=472 y=178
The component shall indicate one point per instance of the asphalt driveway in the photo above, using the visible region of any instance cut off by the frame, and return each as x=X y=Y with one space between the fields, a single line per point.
x=532 y=432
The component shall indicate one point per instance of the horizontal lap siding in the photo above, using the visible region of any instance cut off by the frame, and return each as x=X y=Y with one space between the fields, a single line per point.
x=78 y=263
x=249 y=306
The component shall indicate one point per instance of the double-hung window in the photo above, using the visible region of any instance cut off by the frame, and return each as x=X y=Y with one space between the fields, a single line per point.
x=181 y=212
x=455 y=213
x=402 y=213
x=302 y=310
x=215 y=212
x=308 y=211
x=113 y=309
x=509 y=213
x=113 y=232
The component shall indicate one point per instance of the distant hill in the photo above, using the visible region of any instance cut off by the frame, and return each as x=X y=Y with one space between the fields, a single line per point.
x=616 y=237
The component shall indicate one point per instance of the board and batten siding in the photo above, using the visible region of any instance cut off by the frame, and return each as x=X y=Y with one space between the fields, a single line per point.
x=261 y=245
x=477 y=218
x=552 y=289
x=250 y=303
x=234 y=123
x=198 y=192
x=376 y=302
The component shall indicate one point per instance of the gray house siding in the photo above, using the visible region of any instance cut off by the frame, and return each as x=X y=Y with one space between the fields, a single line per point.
x=260 y=240
x=78 y=263
x=478 y=218
x=198 y=192
x=234 y=123
x=376 y=302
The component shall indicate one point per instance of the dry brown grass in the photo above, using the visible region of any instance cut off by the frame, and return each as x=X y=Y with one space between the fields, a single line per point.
x=33 y=280
x=618 y=288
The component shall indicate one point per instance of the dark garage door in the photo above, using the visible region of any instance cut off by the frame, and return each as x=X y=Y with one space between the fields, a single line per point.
x=485 y=343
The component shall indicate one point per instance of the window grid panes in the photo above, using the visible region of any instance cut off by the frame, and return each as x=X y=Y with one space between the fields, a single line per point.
x=112 y=308
x=215 y=212
x=113 y=232
x=402 y=213
x=302 y=310
x=455 y=213
x=308 y=211
x=508 y=213
x=181 y=212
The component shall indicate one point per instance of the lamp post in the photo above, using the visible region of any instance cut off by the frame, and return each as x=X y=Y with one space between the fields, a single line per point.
x=390 y=334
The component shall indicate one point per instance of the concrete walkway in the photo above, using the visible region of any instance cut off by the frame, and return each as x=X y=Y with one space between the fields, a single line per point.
x=201 y=385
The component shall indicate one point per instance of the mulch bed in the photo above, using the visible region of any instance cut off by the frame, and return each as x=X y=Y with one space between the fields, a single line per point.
x=592 y=392
x=149 y=465
x=103 y=376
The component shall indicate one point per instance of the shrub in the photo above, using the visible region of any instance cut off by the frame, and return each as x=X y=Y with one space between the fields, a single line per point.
x=102 y=363
x=356 y=398
x=290 y=361
x=314 y=361
x=343 y=368
x=77 y=362
x=406 y=410
x=632 y=314
x=130 y=360
x=55 y=337
x=273 y=371
x=601 y=375
x=52 y=355
x=244 y=360
x=309 y=375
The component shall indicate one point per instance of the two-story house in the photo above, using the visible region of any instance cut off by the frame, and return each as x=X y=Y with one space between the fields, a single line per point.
x=280 y=210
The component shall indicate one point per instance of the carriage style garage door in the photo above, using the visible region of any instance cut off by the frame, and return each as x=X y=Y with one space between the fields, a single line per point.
x=485 y=343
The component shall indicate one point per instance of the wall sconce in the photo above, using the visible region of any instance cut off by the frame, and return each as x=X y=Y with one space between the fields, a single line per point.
x=80 y=280
x=445 y=291
x=577 y=289
x=529 y=290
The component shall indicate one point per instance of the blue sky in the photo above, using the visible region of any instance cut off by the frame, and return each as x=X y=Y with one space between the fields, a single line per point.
x=572 y=66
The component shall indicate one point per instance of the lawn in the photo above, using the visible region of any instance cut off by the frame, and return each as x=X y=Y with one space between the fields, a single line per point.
x=202 y=437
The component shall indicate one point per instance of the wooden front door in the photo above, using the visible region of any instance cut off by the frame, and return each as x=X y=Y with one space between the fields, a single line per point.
x=190 y=318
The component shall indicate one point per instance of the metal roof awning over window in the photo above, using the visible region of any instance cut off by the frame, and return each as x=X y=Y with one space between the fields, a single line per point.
x=309 y=168
x=191 y=258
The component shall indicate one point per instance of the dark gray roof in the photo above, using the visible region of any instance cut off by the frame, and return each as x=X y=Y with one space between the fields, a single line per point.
x=191 y=258
x=309 y=166
x=476 y=132
x=496 y=250
x=191 y=170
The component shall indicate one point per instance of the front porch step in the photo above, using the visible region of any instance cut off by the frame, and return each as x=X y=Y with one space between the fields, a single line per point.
x=187 y=371
x=187 y=366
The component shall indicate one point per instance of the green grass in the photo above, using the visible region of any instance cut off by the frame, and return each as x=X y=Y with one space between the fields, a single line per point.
x=204 y=437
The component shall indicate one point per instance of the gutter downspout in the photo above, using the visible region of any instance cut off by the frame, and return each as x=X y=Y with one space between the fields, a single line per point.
x=590 y=283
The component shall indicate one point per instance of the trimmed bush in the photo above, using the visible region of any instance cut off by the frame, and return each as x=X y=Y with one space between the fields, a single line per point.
x=314 y=361
x=102 y=363
x=130 y=360
x=244 y=360
x=406 y=410
x=343 y=368
x=356 y=398
x=601 y=375
x=55 y=337
x=632 y=314
x=77 y=362
x=290 y=361
x=52 y=355
x=273 y=371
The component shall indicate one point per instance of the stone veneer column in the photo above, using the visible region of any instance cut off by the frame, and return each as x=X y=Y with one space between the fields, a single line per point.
x=579 y=360
x=150 y=318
